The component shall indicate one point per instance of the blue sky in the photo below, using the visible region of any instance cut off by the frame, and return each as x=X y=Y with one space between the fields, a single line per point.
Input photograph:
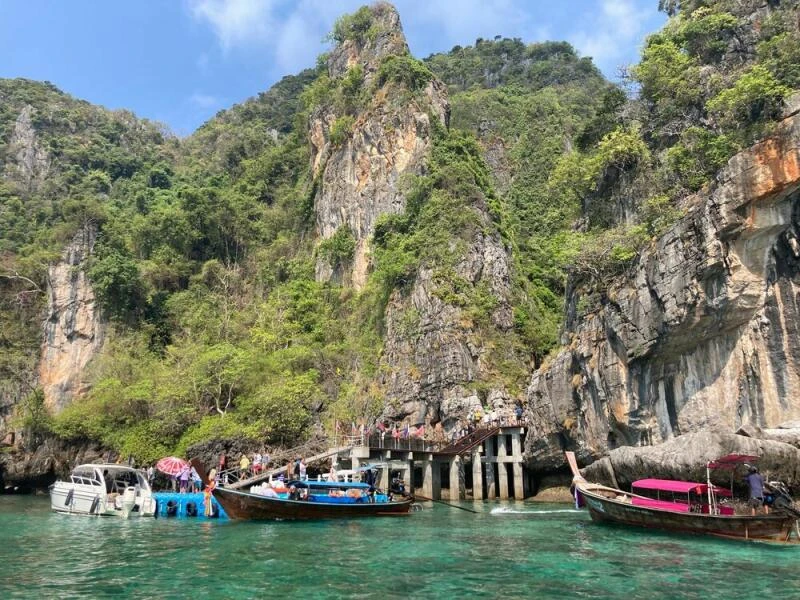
x=180 y=61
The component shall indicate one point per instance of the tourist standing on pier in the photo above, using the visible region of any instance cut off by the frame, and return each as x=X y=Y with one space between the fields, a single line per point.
x=303 y=470
x=184 y=478
x=208 y=493
x=197 y=482
x=244 y=464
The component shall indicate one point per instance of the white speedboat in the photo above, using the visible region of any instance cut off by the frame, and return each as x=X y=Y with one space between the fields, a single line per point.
x=104 y=490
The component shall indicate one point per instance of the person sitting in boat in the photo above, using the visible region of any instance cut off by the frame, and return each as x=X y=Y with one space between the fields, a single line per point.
x=293 y=493
x=755 y=482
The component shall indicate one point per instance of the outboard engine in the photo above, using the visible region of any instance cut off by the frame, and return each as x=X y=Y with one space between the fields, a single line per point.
x=127 y=501
x=779 y=498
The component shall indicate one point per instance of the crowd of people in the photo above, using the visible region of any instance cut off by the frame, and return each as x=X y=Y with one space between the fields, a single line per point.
x=251 y=465
x=477 y=418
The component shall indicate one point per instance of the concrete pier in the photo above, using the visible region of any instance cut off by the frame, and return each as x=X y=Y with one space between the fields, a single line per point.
x=471 y=462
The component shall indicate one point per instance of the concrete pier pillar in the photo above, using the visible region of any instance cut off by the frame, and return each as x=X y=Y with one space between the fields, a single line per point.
x=502 y=470
x=383 y=474
x=491 y=484
x=457 y=487
x=431 y=479
x=516 y=452
x=477 y=475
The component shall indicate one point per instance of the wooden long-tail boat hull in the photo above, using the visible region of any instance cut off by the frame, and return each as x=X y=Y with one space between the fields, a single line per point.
x=242 y=505
x=775 y=528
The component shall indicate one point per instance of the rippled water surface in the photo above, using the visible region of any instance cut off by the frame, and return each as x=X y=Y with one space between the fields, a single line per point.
x=509 y=550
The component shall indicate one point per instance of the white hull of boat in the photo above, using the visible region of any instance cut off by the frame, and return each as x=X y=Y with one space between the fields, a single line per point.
x=71 y=498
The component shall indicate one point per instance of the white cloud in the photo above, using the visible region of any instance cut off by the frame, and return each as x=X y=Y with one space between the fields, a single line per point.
x=464 y=20
x=290 y=32
x=236 y=22
x=618 y=25
x=204 y=101
x=286 y=34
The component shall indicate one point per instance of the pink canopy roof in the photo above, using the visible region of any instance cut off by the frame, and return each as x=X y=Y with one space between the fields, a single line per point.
x=731 y=461
x=683 y=487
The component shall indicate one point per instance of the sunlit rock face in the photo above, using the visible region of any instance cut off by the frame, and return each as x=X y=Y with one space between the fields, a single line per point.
x=433 y=354
x=360 y=179
x=73 y=329
x=701 y=335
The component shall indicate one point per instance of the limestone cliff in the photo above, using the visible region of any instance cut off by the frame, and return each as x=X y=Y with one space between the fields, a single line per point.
x=435 y=354
x=359 y=179
x=29 y=162
x=73 y=329
x=702 y=334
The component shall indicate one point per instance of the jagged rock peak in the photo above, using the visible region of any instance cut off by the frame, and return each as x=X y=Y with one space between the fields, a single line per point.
x=365 y=38
x=73 y=328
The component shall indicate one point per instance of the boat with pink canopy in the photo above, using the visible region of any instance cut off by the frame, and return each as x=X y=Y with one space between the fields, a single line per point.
x=690 y=506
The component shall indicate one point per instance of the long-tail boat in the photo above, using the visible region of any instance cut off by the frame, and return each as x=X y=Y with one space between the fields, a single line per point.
x=686 y=507
x=312 y=500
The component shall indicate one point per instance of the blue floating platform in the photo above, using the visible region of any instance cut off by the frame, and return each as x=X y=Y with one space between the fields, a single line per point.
x=186 y=506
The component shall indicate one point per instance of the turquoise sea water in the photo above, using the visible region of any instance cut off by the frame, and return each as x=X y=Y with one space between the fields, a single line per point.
x=538 y=551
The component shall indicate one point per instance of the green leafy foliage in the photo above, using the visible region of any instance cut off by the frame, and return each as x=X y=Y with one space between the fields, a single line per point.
x=404 y=70
x=205 y=257
x=755 y=95
x=340 y=130
x=357 y=26
x=509 y=62
x=339 y=248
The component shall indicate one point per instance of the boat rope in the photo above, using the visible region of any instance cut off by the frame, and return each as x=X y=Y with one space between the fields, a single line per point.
x=446 y=504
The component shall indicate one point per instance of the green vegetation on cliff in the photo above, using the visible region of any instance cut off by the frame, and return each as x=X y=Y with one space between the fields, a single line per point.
x=205 y=257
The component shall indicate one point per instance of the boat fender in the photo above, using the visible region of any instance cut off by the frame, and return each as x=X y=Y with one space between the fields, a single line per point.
x=191 y=509
x=68 y=500
x=214 y=511
x=172 y=508
x=95 y=504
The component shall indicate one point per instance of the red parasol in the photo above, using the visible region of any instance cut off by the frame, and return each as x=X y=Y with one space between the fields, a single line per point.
x=171 y=465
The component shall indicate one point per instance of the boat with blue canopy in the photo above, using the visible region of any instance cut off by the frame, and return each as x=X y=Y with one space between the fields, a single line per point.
x=301 y=500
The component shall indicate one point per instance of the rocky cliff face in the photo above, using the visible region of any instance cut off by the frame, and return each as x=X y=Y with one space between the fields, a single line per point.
x=73 y=329
x=359 y=178
x=29 y=162
x=435 y=353
x=703 y=332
